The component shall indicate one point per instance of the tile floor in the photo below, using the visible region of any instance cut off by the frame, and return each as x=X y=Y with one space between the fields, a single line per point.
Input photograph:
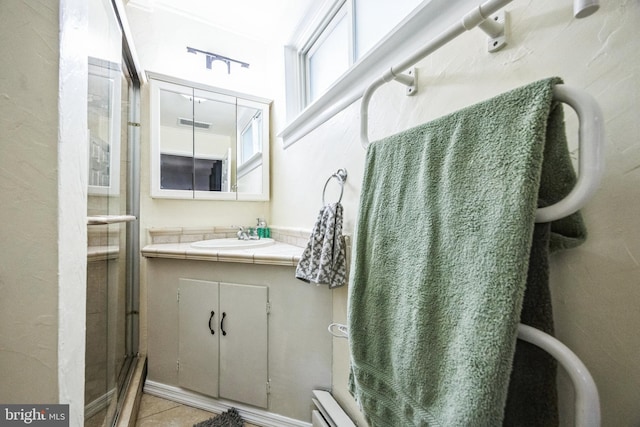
x=157 y=412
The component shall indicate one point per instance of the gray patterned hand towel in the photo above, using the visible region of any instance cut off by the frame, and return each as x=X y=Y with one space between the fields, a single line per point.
x=324 y=259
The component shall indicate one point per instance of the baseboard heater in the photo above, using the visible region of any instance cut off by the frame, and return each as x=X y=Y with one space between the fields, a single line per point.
x=328 y=412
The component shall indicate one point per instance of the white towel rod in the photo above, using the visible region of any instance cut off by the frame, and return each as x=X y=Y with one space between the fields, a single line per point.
x=474 y=18
x=590 y=156
x=591 y=149
x=587 y=401
x=586 y=393
x=591 y=123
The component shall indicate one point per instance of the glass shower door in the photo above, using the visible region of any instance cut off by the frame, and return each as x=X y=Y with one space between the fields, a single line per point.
x=109 y=350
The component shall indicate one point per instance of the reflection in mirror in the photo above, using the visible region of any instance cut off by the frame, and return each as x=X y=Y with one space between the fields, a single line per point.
x=176 y=141
x=250 y=135
x=103 y=98
x=208 y=144
x=197 y=133
x=214 y=141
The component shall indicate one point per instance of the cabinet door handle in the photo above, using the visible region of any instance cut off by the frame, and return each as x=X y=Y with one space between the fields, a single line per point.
x=222 y=323
x=210 y=319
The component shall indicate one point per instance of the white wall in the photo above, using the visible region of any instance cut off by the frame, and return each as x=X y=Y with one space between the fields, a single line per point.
x=595 y=287
x=161 y=39
x=43 y=84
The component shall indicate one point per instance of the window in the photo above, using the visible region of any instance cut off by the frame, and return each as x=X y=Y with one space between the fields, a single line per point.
x=329 y=55
x=246 y=144
x=349 y=30
x=375 y=19
x=380 y=34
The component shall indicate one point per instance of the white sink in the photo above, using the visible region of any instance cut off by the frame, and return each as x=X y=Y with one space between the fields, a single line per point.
x=232 y=243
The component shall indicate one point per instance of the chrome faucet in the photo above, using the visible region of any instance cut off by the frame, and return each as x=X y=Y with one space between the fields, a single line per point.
x=249 y=234
x=242 y=235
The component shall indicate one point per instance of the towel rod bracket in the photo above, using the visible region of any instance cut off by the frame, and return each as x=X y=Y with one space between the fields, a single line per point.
x=410 y=79
x=496 y=28
x=412 y=89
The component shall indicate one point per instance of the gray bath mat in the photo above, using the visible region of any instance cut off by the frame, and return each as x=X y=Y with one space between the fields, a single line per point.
x=231 y=418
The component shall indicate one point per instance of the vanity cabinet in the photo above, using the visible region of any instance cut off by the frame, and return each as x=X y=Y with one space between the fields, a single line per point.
x=222 y=340
x=298 y=349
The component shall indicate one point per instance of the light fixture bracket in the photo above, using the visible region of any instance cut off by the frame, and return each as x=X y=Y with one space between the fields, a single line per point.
x=215 y=57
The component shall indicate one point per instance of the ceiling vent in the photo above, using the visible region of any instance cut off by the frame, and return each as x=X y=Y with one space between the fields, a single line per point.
x=195 y=124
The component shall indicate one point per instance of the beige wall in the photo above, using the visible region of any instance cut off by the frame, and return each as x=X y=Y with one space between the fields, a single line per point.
x=596 y=287
x=43 y=82
x=28 y=184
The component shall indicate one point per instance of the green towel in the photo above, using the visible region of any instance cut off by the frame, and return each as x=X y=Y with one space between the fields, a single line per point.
x=441 y=251
x=532 y=399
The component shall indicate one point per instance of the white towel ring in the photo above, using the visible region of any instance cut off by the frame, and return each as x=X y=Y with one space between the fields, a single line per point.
x=341 y=176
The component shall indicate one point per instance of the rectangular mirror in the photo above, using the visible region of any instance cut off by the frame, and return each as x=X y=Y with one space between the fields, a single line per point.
x=208 y=144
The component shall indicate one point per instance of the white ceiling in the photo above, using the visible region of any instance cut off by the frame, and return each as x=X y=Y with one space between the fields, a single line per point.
x=267 y=20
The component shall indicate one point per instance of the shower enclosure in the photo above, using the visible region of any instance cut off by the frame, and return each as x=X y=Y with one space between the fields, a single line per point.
x=112 y=206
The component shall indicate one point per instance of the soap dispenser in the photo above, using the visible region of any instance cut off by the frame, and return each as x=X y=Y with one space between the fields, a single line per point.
x=261 y=225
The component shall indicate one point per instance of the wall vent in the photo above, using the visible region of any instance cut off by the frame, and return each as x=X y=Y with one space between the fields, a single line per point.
x=195 y=124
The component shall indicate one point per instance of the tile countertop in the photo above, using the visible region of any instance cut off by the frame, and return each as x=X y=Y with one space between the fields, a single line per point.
x=277 y=254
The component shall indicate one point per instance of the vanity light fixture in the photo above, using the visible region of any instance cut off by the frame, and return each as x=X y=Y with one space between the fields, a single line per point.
x=215 y=57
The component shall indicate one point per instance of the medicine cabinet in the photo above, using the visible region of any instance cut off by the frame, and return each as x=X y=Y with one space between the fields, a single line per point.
x=208 y=143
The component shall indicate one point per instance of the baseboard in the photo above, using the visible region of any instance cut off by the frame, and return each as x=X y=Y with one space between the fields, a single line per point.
x=248 y=413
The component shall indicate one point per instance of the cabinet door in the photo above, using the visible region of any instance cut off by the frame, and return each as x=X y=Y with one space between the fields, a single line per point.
x=243 y=343
x=198 y=346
